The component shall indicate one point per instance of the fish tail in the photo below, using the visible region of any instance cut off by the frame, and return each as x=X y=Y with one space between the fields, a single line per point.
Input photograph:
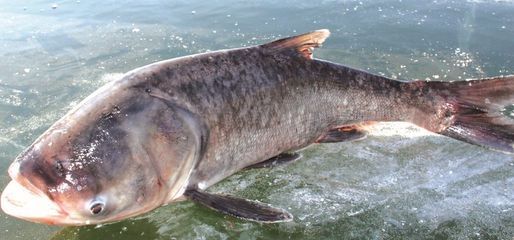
x=478 y=111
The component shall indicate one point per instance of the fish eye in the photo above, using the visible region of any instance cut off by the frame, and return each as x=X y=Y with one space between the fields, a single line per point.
x=96 y=207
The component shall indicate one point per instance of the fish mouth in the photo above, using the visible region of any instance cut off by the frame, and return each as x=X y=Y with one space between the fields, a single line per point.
x=20 y=202
x=23 y=200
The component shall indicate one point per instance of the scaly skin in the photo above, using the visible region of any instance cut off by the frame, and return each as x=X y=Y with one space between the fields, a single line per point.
x=257 y=103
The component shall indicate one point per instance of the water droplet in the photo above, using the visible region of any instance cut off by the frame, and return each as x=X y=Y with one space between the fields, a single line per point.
x=136 y=30
x=193 y=12
x=55 y=6
x=27 y=70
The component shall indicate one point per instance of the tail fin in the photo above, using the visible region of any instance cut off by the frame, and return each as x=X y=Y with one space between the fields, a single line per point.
x=474 y=111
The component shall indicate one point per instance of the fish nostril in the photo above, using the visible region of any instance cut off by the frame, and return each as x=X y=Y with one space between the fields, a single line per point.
x=59 y=168
x=96 y=208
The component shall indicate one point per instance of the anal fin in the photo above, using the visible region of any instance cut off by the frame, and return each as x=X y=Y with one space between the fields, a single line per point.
x=343 y=134
x=281 y=159
x=239 y=207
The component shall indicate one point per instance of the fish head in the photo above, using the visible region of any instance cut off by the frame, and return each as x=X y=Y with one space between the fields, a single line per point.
x=101 y=166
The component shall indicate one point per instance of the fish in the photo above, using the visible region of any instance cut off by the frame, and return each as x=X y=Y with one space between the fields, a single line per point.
x=166 y=132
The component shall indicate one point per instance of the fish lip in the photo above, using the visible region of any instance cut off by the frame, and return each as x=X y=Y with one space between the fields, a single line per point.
x=20 y=200
x=20 y=192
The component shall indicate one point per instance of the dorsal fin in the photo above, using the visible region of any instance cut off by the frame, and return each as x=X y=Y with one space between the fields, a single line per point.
x=303 y=44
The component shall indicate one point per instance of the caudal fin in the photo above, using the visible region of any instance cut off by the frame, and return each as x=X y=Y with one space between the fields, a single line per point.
x=473 y=111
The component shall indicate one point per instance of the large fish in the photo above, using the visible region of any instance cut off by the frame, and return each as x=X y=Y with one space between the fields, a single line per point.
x=167 y=131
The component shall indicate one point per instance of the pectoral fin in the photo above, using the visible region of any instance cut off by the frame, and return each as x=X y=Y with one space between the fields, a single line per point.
x=281 y=159
x=239 y=207
x=343 y=134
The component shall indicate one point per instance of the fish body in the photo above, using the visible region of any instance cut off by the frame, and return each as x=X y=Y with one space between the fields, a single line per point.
x=256 y=105
x=167 y=131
